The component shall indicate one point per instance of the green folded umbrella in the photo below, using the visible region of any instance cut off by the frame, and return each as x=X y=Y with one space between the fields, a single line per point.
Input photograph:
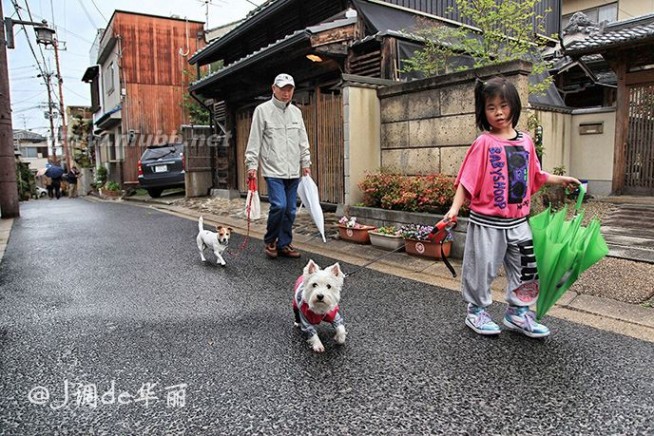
x=564 y=249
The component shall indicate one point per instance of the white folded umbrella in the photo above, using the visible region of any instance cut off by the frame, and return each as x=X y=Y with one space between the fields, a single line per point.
x=308 y=193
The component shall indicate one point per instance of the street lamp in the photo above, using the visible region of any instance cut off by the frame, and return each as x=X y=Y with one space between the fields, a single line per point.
x=44 y=34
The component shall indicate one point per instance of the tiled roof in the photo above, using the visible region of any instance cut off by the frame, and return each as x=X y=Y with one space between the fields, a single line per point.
x=294 y=37
x=256 y=11
x=614 y=35
x=26 y=135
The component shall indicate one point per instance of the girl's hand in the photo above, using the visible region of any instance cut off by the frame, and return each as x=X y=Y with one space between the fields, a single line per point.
x=570 y=183
x=451 y=214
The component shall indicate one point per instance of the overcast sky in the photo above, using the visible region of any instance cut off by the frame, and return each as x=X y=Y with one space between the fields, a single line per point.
x=76 y=23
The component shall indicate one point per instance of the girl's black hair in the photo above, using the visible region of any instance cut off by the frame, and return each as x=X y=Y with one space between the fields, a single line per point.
x=496 y=86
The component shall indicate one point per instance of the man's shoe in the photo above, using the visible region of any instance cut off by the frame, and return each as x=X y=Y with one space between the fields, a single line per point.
x=523 y=320
x=271 y=250
x=289 y=251
x=480 y=321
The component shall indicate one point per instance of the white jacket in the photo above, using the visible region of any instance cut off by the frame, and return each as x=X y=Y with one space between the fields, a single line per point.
x=278 y=139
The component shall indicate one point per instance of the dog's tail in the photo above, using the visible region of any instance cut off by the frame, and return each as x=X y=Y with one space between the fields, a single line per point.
x=200 y=224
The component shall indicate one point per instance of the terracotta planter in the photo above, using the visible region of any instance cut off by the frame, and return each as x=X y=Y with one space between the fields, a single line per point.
x=358 y=235
x=110 y=194
x=387 y=242
x=427 y=249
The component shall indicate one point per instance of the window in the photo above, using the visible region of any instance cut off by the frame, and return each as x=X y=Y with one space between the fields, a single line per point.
x=109 y=78
x=597 y=14
x=29 y=151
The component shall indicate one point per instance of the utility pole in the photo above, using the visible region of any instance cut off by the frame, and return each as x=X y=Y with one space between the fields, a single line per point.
x=8 y=184
x=46 y=78
x=62 y=108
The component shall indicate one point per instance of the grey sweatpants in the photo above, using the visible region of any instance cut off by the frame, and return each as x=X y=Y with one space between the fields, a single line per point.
x=486 y=249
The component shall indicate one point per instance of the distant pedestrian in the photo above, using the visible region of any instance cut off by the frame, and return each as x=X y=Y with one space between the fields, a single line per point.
x=498 y=176
x=55 y=172
x=72 y=178
x=278 y=140
x=47 y=182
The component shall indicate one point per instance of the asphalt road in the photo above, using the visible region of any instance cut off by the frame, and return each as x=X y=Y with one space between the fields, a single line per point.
x=111 y=324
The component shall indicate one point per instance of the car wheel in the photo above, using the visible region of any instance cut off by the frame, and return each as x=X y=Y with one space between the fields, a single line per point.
x=155 y=192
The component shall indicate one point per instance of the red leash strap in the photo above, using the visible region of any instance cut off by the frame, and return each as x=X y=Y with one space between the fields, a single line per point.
x=442 y=230
x=252 y=186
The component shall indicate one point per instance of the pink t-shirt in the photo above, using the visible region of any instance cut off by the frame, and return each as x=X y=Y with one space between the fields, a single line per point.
x=501 y=175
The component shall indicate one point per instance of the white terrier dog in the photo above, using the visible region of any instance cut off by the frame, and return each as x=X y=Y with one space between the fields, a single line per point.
x=216 y=241
x=317 y=294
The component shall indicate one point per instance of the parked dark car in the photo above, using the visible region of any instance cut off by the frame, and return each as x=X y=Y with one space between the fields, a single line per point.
x=162 y=167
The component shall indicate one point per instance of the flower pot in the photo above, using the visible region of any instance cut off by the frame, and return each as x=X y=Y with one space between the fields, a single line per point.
x=427 y=249
x=356 y=235
x=110 y=194
x=387 y=242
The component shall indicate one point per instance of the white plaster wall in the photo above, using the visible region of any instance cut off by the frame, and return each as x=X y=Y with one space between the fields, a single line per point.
x=556 y=139
x=591 y=156
x=626 y=8
x=361 y=117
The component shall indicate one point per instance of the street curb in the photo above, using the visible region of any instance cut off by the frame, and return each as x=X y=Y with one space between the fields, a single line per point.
x=602 y=313
x=6 y=225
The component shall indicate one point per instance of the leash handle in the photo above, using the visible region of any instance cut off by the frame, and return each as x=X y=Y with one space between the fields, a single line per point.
x=443 y=230
x=252 y=186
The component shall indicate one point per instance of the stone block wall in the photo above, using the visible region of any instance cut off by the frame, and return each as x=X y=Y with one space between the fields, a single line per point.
x=427 y=125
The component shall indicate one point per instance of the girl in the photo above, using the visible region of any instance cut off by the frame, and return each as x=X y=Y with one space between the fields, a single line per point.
x=499 y=175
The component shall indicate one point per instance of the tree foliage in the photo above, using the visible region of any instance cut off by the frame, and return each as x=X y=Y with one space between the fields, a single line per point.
x=505 y=30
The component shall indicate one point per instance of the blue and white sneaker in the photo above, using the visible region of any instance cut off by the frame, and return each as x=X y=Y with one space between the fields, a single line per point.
x=523 y=320
x=480 y=321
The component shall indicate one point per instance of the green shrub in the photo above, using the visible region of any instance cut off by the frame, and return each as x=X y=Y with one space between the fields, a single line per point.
x=112 y=186
x=101 y=175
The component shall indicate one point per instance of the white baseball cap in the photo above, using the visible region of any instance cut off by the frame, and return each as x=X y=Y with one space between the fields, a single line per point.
x=284 y=79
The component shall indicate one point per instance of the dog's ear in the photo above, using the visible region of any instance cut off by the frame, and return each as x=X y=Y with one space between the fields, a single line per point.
x=218 y=228
x=229 y=228
x=336 y=270
x=311 y=267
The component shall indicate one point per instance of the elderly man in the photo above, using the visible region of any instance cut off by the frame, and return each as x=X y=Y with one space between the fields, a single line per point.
x=278 y=141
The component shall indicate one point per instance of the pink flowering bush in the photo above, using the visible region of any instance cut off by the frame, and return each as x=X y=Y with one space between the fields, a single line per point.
x=431 y=193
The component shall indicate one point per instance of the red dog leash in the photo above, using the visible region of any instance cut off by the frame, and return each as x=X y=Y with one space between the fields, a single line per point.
x=439 y=235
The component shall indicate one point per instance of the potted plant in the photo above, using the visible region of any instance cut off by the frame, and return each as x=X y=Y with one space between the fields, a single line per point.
x=386 y=237
x=111 y=189
x=417 y=242
x=350 y=230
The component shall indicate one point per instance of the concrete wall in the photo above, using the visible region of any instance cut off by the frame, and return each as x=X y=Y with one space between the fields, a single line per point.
x=427 y=125
x=585 y=156
x=557 y=131
x=591 y=155
x=361 y=113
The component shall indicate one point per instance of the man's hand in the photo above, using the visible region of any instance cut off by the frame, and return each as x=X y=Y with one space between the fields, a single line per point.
x=252 y=174
x=306 y=171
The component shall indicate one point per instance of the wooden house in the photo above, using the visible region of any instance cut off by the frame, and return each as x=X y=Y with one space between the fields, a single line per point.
x=626 y=46
x=138 y=86
x=324 y=44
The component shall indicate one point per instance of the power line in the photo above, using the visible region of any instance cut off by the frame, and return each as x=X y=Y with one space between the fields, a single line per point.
x=29 y=42
x=86 y=12
x=100 y=12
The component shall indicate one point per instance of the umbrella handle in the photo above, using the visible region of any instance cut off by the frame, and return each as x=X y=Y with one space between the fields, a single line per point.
x=580 y=197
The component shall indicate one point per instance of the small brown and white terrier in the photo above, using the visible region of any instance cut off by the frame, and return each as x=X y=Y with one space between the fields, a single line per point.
x=317 y=293
x=216 y=241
